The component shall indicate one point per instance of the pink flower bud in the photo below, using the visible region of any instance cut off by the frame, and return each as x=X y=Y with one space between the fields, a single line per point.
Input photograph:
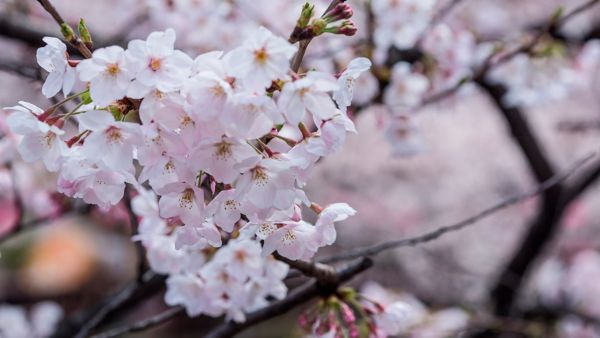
x=340 y=12
x=348 y=28
x=347 y=314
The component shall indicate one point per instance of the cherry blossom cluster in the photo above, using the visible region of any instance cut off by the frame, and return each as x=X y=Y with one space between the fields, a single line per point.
x=451 y=51
x=550 y=75
x=218 y=149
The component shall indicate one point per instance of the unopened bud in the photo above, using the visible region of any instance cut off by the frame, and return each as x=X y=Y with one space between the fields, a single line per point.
x=353 y=331
x=85 y=35
x=67 y=32
x=347 y=313
x=341 y=11
x=305 y=15
x=348 y=28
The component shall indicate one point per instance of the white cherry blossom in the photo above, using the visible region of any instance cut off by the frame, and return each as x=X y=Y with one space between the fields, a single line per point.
x=108 y=74
x=262 y=58
x=53 y=59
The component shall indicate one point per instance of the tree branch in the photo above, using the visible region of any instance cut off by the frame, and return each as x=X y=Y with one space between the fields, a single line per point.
x=25 y=70
x=143 y=324
x=303 y=44
x=75 y=41
x=321 y=272
x=83 y=321
x=439 y=232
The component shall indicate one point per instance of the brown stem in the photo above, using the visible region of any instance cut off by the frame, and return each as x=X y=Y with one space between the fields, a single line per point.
x=75 y=41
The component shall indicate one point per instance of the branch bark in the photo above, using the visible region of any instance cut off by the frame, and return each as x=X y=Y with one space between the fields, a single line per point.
x=75 y=41
x=441 y=231
x=554 y=202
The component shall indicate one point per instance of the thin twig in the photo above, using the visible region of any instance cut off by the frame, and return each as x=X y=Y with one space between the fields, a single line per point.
x=303 y=44
x=75 y=41
x=113 y=303
x=576 y=11
x=373 y=250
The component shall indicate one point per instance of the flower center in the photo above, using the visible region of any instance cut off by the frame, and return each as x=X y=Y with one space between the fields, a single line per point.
x=169 y=167
x=223 y=150
x=288 y=238
x=265 y=229
x=112 y=69
x=186 y=199
x=261 y=55
x=186 y=121
x=231 y=205
x=260 y=176
x=155 y=64
x=114 y=135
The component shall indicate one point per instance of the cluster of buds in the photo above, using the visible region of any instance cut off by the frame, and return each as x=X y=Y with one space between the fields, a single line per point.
x=347 y=313
x=336 y=20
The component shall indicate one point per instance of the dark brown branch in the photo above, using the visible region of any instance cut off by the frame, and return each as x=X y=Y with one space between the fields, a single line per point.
x=554 y=201
x=100 y=313
x=545 y=223
x=321 y=272
x=11 y=26
x=21 y=69
x=143 y=324
x=521 y=131
x=437 y=233
x=113 y=303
